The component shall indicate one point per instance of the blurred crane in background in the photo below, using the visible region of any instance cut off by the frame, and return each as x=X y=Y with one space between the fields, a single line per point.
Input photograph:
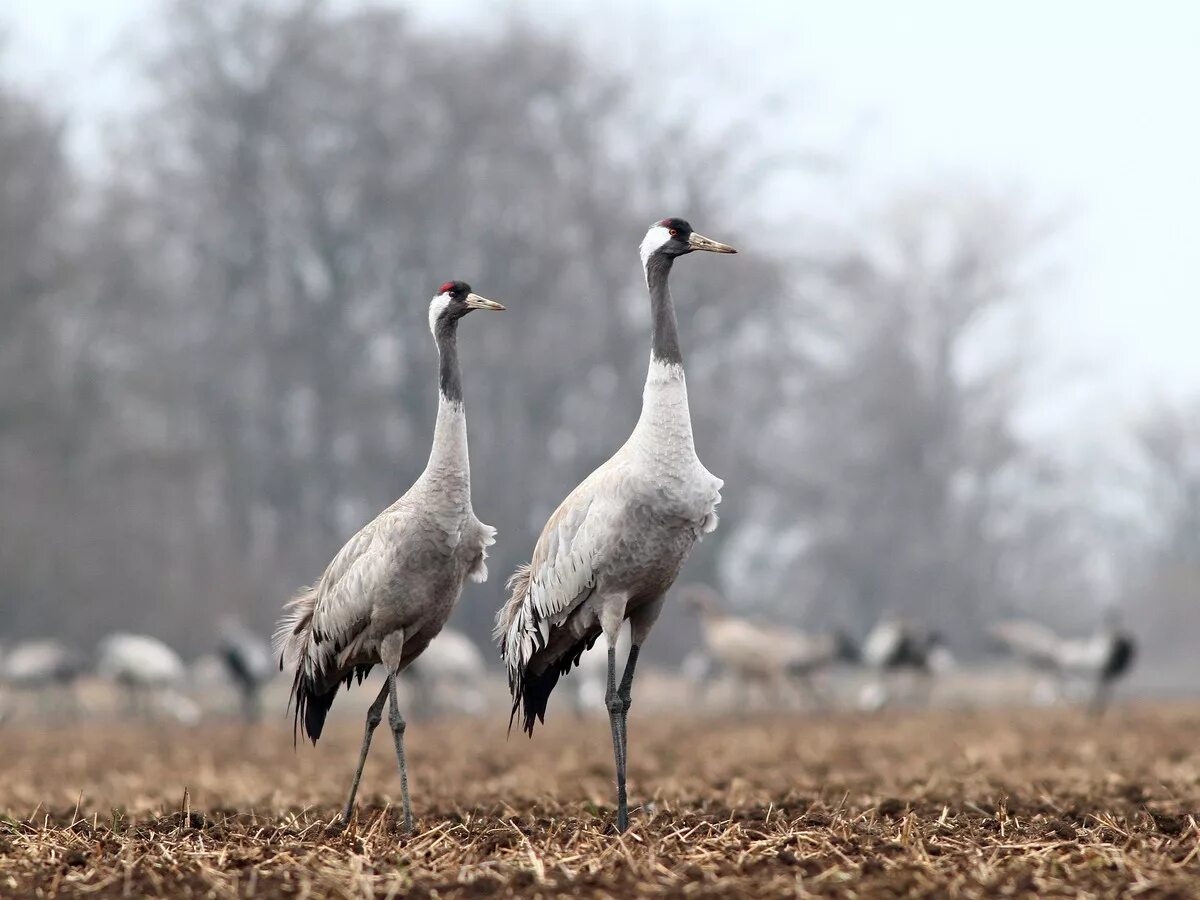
x=45 y=671
x=151 y=674
x=894 y=651
x=1096 y=661
x=248 y=663
x=772 y=657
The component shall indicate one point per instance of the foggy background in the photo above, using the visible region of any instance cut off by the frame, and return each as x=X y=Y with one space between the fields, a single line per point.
x=952 y=375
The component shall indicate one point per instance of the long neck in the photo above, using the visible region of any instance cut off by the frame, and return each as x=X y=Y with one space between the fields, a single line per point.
x=664 y=340
x=665 y=415
x=449 y=453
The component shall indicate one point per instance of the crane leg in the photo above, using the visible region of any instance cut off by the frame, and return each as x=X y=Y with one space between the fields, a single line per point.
x=397 y=722
x=618 y=701
x=374 y=717
x=625 y=694
x=616 y=720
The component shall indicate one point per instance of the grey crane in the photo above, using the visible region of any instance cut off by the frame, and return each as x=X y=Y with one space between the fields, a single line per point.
x=391 y=588
x=895 y=648
x=895 y=644
x=614 y=546
x=247 y=660
x=152 y=675
x=770 y=655
x=41 y=663
x=1100 y=658
x=41 y=666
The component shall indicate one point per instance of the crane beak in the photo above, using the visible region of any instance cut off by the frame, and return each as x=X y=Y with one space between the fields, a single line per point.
x=474 y=301
x=700 y=242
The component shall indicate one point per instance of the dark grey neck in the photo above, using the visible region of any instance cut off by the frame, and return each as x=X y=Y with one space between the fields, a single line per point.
x=449 y=376
x=664 y=340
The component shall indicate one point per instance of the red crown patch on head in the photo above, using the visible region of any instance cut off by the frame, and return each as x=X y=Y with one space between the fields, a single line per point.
x=447 y=288
x=674 y=224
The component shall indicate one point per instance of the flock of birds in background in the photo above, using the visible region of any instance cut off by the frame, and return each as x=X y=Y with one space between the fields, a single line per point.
x=602 y=567
x=740 y=662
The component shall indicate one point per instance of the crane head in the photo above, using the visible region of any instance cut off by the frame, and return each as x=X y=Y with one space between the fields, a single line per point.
x=453 y=301
x=674 y=237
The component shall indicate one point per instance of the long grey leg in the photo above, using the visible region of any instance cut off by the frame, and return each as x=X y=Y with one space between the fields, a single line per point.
x=616 y=720
x=374 y=717
x=397 y=722
x=625 y=694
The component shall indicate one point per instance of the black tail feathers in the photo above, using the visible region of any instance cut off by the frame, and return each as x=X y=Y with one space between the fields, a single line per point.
x=312 y=706
x=531 y=693
x=533 y=698
x=312 y=701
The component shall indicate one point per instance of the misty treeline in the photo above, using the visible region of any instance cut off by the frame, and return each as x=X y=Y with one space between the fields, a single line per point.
x=215 y=363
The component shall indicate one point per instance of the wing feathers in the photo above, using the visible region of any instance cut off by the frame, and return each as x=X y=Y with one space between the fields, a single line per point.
x=560 y=577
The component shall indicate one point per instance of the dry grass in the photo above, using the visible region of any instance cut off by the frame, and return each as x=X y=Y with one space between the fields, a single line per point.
x=997 y=803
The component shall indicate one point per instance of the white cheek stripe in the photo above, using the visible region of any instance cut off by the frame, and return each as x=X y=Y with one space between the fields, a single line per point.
x=655 y=238
x=436 y=307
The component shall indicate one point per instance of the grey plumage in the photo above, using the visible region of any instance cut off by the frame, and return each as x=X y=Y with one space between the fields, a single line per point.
x=46 y=669
x=391 y=588
x=41 y=663
x=151 y=673
x=903 y=658
x=758 y=651
x=1100 y=658
x=893 y=644
x=615 y=545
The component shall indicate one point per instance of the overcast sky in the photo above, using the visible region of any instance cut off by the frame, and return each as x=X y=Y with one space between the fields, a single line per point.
x=1085 y=107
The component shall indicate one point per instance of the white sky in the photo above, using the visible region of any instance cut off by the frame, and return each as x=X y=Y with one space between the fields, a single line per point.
x=1086 y=107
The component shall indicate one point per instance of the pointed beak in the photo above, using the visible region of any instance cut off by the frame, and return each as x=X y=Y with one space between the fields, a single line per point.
x=700 y=242
x=474 y=301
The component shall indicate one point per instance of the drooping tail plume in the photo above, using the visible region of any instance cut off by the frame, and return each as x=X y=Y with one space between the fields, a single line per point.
x=290 y=644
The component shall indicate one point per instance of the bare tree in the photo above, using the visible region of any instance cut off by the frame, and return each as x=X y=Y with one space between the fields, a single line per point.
x=1163 y=570
x=37 y=190
x=299 y=181
x=225 y=364
x=912 y=490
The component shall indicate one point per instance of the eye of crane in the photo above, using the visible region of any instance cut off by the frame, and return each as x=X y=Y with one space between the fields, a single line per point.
x=673 y=232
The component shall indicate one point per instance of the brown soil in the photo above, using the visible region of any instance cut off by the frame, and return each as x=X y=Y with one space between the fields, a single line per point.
x=1012 y=803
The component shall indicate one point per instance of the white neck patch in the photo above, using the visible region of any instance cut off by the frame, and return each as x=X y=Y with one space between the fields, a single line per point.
x=655 y=238
x=437 y=306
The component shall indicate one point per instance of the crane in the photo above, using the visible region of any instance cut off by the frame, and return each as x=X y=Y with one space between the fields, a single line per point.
x=388 y=592
x=765 y=654
x=614 y=546
x=1100 y=658
x=247 y=660
x=151 y=673
x=42 y=665
x=896 y=647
